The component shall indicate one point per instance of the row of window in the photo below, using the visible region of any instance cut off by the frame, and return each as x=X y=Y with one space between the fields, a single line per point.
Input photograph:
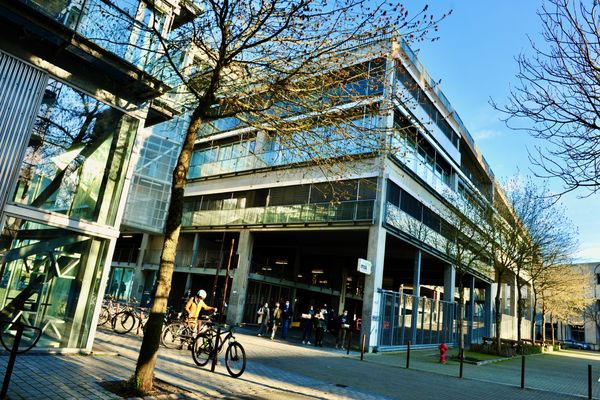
x=341 y=191
x=417 y=95
x=340 y=87
x=413 y=207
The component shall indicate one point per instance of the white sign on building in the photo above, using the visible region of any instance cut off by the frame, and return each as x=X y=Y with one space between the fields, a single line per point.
x=364 y=266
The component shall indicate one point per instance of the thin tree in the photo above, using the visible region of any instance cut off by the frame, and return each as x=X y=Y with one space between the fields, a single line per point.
x=556 y=99
x=277 y=66
x=547 y=236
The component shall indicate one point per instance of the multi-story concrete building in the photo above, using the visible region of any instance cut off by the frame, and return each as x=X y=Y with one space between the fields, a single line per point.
x=292 y=236
x=77 y=79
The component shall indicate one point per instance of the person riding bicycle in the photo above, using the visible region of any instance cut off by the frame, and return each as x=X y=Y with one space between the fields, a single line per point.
x=194 y=306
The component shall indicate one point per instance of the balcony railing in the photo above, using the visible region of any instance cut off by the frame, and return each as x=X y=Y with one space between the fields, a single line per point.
x=267 y=159
x=348 y=211
x=110 y=27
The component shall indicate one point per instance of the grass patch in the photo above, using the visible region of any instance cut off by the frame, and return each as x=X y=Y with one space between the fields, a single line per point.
x=472 y=356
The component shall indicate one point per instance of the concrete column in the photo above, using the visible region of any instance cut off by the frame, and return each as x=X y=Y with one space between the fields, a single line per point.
x=488 y=309
x=471 y=314
x=374 y=281
x=195 y=251
x=342 y=303
x=415 y=320
x=138 y=277
x=449 y=282
x=239 y=284
x=449 y=290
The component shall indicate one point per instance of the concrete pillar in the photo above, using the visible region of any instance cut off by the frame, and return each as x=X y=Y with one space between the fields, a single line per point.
x=239 y=284
x=471 y=314
x=138 y=276
x=488 y=309
x=449 y=282
x=195 y=251
x=415 y=319
x=342 y=303
x=374 y=281
x=449 y=290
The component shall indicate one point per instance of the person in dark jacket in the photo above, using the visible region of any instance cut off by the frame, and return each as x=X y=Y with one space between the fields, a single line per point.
x=286 y=318
x=321 y=325
x=307 y=322
x=344 y=326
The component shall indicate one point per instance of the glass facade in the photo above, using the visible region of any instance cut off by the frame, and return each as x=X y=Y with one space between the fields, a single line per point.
x=123 y=27
x=359 y=136
x=77 y=156
x=49 y=278
x=340 y=201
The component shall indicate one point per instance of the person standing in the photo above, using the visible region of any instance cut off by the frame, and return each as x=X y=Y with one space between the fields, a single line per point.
x=344 y=324
x=286 y=317
x=193 y=308
x=307 y=321
x=263 y=319
x=321 y=324
x=276 y=320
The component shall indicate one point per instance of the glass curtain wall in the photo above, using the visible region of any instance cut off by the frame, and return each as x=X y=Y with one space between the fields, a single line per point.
x=49 y=278
x=77 y=156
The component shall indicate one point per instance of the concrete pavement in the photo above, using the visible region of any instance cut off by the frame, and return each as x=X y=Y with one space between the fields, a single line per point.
x=275 y=370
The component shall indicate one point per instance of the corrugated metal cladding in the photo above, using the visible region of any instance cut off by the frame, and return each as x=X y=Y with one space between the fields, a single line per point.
x=21 y=90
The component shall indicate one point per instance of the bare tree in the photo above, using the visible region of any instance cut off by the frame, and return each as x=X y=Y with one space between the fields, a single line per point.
x=467 y=245
x=565 y=294
x=284 y=67
x=548 y=237
x=557 y=99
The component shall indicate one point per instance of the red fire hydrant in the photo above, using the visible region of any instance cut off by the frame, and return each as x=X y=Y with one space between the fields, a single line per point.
x=443 y=349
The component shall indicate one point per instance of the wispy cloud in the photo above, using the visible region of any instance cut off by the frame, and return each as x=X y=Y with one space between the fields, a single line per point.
x=484 y=134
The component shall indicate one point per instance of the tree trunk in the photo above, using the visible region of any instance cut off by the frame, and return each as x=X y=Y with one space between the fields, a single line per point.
x=533 y=316
x=461 y=304
x=520 y=310
x=552 y=328
x=544 y=324
x=144 y=372
x=498 y=312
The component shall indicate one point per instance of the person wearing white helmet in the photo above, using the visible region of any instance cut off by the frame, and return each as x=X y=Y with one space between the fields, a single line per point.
x=195 y=305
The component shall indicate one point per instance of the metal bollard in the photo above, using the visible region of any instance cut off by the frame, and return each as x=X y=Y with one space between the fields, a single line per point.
x=408 y=355
x=362 y=347
x=461 y=357
x=11 y=360
x=215 y=350
x=523 y=371
x=349 y=342
x=590 y=381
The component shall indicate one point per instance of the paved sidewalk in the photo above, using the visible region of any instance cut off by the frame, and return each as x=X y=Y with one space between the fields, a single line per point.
x=275 y=370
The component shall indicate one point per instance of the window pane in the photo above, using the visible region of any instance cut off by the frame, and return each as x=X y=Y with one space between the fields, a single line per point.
x=77 y=156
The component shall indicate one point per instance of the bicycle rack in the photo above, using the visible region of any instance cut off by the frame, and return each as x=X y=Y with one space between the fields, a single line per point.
x=20 y=327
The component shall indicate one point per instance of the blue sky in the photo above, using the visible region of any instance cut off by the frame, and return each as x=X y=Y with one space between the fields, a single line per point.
x=474 y=58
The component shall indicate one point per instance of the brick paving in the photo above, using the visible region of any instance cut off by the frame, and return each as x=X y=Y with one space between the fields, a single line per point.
x=289 y=370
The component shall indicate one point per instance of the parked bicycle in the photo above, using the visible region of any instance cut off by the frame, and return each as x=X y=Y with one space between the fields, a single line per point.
x=179 y=334
x=208 y=344
x=109 y=309
x=129 y=318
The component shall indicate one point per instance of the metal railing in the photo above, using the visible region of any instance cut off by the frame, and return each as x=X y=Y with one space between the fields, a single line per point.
x=420 y=320
x=347 y=211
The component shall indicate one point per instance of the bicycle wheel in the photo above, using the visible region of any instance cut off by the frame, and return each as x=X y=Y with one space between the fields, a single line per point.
x=29 y=339
x=235 y=359
x=124 y=322
x=171 y=335
x=202 y=350
x=104 y=316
